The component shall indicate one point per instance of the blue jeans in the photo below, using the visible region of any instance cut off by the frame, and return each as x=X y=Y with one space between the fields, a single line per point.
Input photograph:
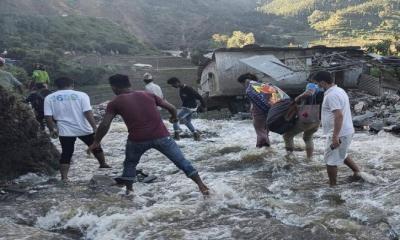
x=185 y=116
x=166 y=145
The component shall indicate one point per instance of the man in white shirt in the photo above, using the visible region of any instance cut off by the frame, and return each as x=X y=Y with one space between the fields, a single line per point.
x=151 y=87
x=74 y=117
x=337 y=125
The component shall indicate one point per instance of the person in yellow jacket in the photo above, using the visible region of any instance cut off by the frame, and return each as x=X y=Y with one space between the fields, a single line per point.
x=40 y=75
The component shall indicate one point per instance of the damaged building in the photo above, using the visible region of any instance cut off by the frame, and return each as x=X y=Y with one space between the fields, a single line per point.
x=288 y=68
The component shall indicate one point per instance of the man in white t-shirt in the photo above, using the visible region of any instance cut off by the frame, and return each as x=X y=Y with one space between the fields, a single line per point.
x=151 y=87
x=74 y=117
x=337 y=125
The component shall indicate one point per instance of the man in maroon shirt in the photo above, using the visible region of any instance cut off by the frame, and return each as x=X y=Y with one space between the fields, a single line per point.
x=146 y=130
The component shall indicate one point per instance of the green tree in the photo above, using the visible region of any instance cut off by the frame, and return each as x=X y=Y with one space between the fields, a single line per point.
x=317 y=16
x=238 y=39
x=382 y=47
x=220 y=40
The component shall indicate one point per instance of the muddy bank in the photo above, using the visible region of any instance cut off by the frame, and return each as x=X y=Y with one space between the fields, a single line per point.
x=24 y=148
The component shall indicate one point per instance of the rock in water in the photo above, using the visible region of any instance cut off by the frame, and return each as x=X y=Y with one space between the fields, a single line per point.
x=102 y=181
x=24 y=147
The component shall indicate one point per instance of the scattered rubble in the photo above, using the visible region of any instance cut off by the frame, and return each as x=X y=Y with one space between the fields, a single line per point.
x=375 y=113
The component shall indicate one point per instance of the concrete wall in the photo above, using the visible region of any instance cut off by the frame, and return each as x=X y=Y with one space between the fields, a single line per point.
x=351 y=77
x=378 y=87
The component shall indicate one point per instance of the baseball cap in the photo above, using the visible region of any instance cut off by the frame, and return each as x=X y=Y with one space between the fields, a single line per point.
x=147 y=76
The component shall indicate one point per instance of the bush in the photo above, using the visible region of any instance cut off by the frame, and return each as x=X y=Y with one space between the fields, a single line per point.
x=18 y=72
x=16 y=53
x=24 y=148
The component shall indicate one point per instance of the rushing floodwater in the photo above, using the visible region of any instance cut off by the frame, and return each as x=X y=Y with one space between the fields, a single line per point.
x=256 y=194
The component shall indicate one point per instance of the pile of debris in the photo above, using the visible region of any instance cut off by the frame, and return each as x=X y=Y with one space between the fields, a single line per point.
x=375 y=113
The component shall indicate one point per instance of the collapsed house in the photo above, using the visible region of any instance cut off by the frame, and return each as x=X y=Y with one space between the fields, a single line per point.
x=382 y=75
x=288 y=68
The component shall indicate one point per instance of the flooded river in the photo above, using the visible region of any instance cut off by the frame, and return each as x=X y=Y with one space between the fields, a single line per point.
x=256 y=194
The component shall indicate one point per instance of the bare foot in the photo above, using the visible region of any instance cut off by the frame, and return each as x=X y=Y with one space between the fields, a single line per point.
x=204 y=190
x=105 y=165
x=356 y=177
x=64 y=182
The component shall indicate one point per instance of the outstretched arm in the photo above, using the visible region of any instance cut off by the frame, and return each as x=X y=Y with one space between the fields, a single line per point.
x=306 y=93
x=102 y=130
x=170 y=108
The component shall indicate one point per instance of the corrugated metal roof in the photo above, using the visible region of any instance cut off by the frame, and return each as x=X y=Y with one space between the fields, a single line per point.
x=269 y=65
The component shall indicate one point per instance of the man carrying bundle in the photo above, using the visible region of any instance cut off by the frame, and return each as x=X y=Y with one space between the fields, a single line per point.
x=263 y=96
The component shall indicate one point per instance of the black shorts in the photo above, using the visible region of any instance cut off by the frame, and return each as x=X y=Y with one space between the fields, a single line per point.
x=68 y=146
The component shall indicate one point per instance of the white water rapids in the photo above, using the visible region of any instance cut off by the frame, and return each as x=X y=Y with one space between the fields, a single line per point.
x=256 y=194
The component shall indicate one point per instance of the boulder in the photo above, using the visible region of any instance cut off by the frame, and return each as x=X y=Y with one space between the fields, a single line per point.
x=359 y=107
x=396 y=129
x=102 y=181
x=392 y=128
x=24 y=147
x=392 y=120
x=376 y=126
x=363 y=120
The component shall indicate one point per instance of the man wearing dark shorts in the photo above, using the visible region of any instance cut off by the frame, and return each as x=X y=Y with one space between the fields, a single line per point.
x=146 y=130
x=73 y=113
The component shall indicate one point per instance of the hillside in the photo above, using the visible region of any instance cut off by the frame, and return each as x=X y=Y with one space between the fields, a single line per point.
x=173 y=24
x=68 y=33
x=170 y=24
x=42 y=30
x=368 y=20
x=45 y=39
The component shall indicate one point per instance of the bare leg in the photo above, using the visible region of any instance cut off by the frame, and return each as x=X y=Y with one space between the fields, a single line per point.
x=260 y=126
x=352 y=165
x=309 y=152
x=102 y=161
x=64 y=169
x=202 y=187
x=308 y=139
x=98 y=153
x=332 y=174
